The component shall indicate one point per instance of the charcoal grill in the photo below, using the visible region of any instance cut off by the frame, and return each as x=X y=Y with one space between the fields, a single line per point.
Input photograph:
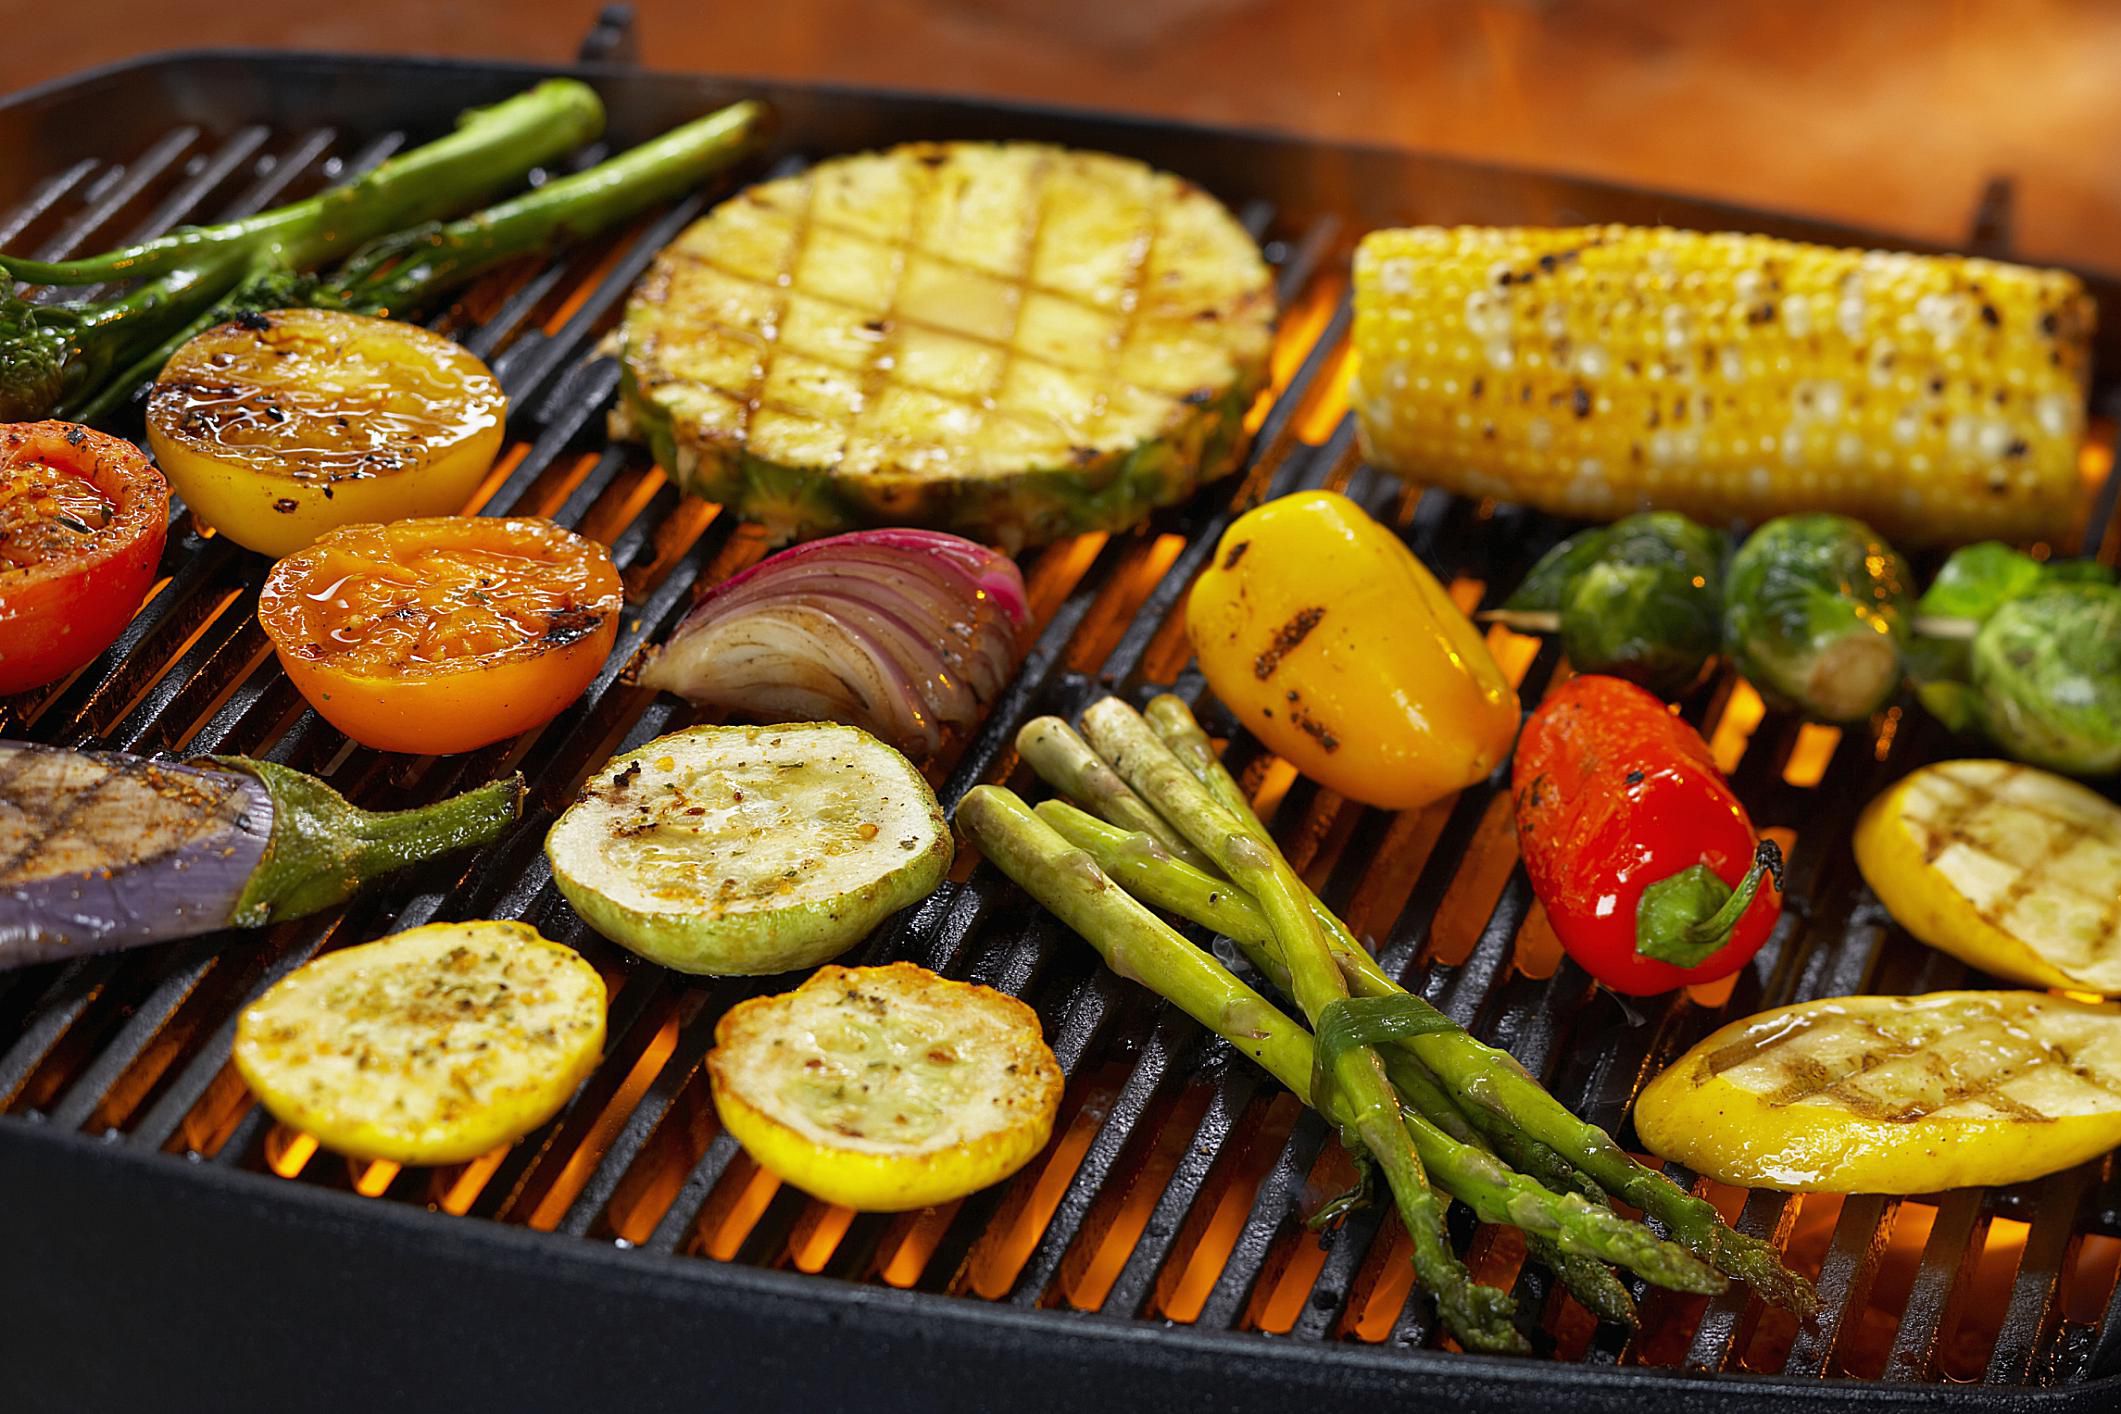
x=163 y=1244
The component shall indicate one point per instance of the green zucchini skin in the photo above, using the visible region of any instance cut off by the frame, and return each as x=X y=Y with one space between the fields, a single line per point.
x=731 y=913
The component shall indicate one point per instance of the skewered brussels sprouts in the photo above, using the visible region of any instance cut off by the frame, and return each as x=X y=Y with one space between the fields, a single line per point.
x=2046 y=680
x=1640 y=599
x=1815 y=614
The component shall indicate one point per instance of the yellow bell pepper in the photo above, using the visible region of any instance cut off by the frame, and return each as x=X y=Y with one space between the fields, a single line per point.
x=1338 y=649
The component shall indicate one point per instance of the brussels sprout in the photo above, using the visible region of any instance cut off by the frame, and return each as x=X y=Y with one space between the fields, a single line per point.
x=1979 y=579
x=1815 y=615
x=2046 y=678
x=1640 y=599
x=1973 y=584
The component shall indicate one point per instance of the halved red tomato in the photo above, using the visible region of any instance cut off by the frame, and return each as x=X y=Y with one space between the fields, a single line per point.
x=446 y=633
x=82 y=521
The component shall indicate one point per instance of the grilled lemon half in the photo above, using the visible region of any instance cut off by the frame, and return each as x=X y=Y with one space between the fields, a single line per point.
x=1894 y=1094
x=2010 y=868
x=885 y=1088
x=432 y=1046
x=1010 y=341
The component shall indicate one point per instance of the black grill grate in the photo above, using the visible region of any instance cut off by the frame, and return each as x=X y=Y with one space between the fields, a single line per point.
x=1174 y=1187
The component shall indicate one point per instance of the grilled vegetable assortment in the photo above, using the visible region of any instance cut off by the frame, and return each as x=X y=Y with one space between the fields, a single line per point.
x=1431 y=1108
x=83 y=518
x=1009 y=341
x=445 y=634
x=749 y=849
x=1340 y=650
x=885 y=1088
x=1018 y=343
x=429 y=1047
x=904 y=633
x=277 y=427
x=1894 y=1094
x=106 y=851
x=2014 y=870
x=1603 y=370
x=1650 y=871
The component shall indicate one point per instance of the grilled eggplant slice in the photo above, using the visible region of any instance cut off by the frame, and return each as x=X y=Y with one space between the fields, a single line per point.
x=886 y=1088
x=2007 y=867
x=1010 y=341
x=1894 y=1094
x=432 y=1046
x=100 y=850
x=749 y=850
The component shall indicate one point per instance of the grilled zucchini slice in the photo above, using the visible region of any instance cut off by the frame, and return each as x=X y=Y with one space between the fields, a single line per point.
x=429 y=1047
x=1010 y=341
x=2013 y=869
x=1894 y=1094
x=885 y=1088
x=749 y=850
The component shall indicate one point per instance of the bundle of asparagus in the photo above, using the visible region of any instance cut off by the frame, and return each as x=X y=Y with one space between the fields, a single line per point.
x=1162 y=823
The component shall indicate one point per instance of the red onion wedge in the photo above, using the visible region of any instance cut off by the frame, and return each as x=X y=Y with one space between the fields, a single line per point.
x=904 y=633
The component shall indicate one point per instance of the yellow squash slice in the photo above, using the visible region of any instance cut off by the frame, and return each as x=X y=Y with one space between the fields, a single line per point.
x=1894 y=1094
x=278 y=427
x=2010 y=868
x=886 y=1088
x=429 y=1047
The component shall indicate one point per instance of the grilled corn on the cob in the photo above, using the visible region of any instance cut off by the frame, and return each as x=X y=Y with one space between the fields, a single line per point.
x=1011 y=341
x=1603 y=370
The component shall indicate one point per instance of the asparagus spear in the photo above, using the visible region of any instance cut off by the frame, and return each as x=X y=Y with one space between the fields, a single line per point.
x=1480 y=1315
x=1064 y=761
x=1497 y=1092
x=1136 y=861
x=54 y=356
x=1138 y=944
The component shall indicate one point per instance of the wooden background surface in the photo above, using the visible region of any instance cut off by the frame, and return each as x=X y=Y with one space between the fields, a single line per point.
x=1889 y=113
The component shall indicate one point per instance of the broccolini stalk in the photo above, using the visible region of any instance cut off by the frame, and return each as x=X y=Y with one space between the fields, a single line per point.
x=1480 y=1315
x=400 y=273
x=491 y=148
x=1497 y=1093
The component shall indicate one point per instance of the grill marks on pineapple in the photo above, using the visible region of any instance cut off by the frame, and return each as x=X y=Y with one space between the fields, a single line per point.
x=1986 y=816
x=888 y=331
x=1825 y=1057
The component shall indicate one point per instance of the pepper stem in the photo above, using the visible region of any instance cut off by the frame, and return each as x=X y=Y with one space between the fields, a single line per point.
x=1684 y=919
x=323 y=849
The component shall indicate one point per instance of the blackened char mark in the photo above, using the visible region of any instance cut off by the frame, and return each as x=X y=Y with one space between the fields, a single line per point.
x=1286 y=638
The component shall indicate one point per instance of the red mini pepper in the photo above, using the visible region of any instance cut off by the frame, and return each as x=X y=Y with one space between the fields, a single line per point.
x=1647 y=864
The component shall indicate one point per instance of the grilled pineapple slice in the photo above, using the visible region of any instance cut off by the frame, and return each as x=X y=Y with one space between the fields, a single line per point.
x=1010 y=341
x=432 y=1046
x=1894 y=1094
x=885 y=1088
x=2010 y=868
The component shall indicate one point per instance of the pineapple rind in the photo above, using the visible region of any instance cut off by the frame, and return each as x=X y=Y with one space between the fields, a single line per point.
x=1085 y=435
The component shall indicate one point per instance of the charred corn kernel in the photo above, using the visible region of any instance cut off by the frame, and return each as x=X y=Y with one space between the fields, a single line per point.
x=1338 y=649
x=1603 y=370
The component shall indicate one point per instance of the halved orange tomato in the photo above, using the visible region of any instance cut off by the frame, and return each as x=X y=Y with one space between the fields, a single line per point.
x=442 y=634
x=82 y=521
